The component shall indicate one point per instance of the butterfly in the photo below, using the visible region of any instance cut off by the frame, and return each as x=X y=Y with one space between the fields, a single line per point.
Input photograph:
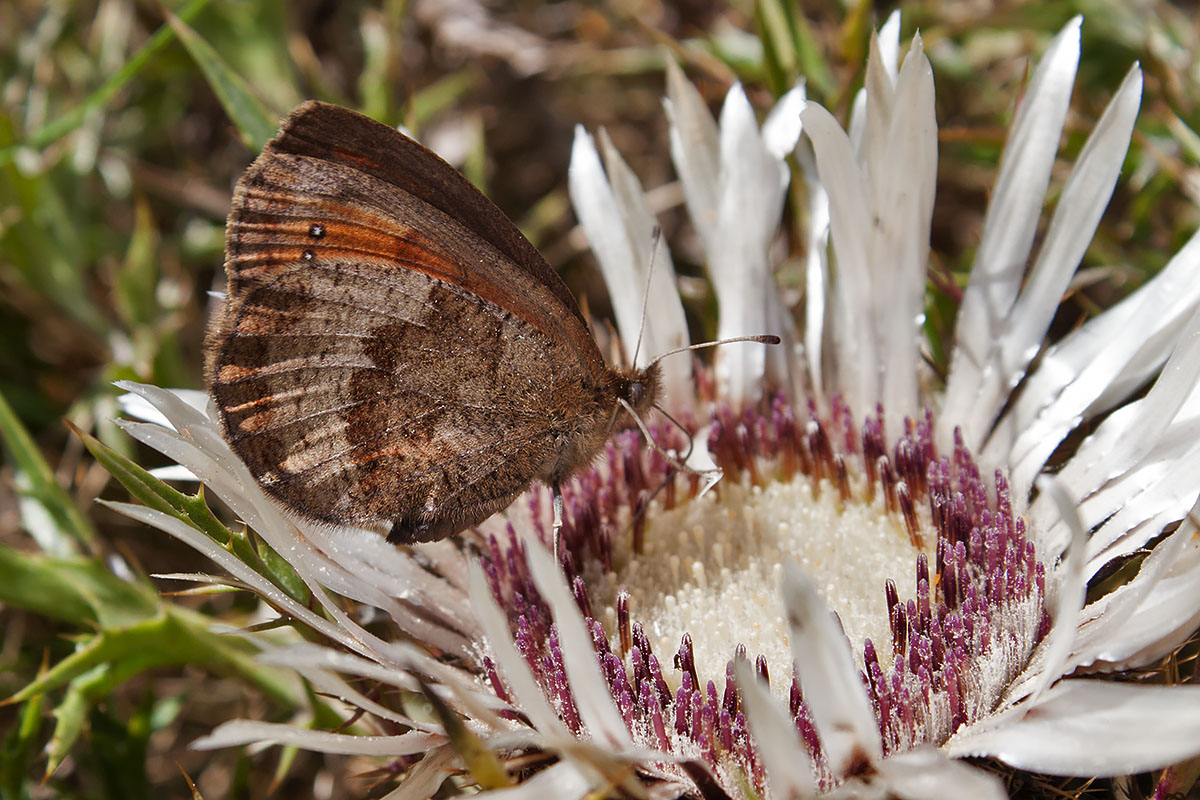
x=392 y=353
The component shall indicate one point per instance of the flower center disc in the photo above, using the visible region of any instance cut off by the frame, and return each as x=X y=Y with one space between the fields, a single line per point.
x=712 y=568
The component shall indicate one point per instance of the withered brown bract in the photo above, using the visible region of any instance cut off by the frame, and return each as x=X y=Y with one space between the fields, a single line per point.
x=392 y=352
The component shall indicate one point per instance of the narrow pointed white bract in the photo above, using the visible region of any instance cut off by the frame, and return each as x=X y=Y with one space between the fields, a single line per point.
x=1051 y=657
x=620 y=229
x=513 y=669
x=853 y=338
x=832 y=690
x=977 y=382
x=600 y=717
x=928 y=774
x=734 y=178
x=1095 y=728
x=320 y=667
x=695 y=150
x=1123 y=629
x=239 y=732
x=789 y=769
x=904 y=176
x=816 y=273
x=321 y=557
x=1097 y=366
x=782 y=128
x=1076 y=216
x=885 y=56
x=1132 y=472
x=424 y=780
x=881 y=206
x=752 y=184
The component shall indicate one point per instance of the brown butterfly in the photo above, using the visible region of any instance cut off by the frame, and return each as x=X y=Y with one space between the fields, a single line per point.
x=392 y=352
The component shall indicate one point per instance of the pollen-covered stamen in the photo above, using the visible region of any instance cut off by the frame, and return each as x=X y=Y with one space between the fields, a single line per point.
x=489 y=669
x=685 y=661
x=579 y=591
x=908 y=510
x=623 y=630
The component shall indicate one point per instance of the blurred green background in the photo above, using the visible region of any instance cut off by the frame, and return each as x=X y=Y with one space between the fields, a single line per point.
x=123 y=127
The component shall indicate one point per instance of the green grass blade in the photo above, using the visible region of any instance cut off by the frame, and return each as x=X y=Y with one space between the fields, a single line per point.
x=18 y=750
x=57 y=128
x=255 y=124
x=42 y=486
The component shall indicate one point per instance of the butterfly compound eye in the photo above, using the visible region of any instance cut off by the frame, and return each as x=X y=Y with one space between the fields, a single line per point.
x=636 y=393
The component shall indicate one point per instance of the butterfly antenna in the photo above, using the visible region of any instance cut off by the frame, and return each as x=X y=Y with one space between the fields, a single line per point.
x=762 y=338
x=655 y=238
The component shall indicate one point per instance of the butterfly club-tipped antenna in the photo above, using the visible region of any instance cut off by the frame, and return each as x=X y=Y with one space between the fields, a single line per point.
x=676 y=463
x=761 y=338
x=765 y=338
x=682 y=465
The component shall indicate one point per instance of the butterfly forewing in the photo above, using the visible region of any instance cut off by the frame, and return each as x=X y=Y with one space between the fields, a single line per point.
x=380 y=361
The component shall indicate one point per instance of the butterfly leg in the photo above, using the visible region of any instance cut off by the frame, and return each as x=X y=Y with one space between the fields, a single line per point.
x=556 y=493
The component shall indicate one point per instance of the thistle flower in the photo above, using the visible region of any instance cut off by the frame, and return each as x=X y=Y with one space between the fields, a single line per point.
x=683 y=643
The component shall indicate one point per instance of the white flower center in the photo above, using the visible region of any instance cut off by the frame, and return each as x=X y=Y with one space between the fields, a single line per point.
x=711 y=568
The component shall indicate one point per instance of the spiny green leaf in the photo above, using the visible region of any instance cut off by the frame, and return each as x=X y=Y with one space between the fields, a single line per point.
x=70 y=715
x=117 y=744
x=76 y=590
x=239 y=540
x=194 y=510
x=173 y=637
x=283 y=574
x=153 y=493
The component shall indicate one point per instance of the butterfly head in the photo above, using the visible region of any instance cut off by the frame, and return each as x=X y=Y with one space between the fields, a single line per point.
x=641 y=387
